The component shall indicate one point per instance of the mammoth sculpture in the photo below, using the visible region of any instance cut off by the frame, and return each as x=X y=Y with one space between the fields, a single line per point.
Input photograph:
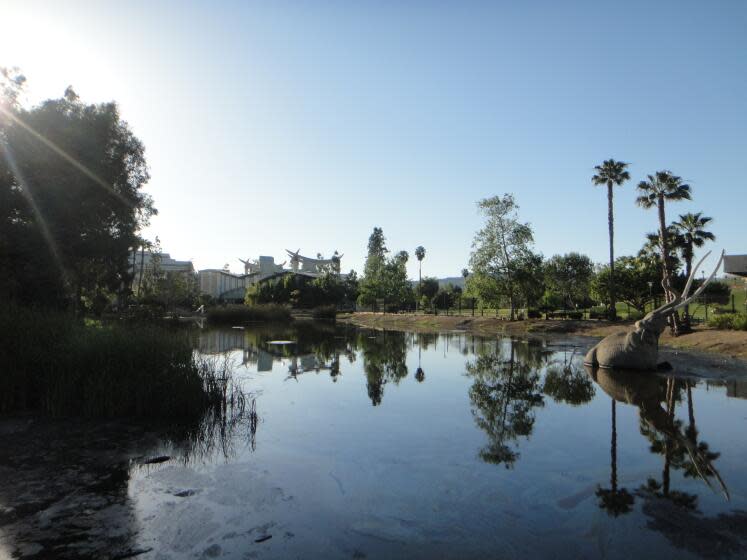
x=639 y=349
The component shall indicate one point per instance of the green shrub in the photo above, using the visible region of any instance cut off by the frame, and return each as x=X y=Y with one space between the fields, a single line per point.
x=716 y=292
x=324 y=312
x=241 y=314
x=733 y=321
x=598 y=312
x=635 y=315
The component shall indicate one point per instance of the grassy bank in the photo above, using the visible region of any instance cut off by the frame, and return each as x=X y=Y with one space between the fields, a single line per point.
x=57 y=364
x=725 y=342
x=242 y=314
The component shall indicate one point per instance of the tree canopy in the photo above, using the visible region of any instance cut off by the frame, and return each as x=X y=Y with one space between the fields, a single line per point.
x=385 y=278
x=502 y=258
x=71 y=200
x=569 y=277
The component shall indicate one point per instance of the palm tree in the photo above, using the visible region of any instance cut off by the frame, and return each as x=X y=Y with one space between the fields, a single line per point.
x=420 y=254
x=691 y=228
x=611 y=173
x=660 y=187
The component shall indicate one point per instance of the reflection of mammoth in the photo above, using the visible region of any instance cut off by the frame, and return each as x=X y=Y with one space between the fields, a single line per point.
x=646 y=392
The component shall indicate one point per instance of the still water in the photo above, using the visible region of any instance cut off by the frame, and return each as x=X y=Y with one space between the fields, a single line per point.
x=373 y=444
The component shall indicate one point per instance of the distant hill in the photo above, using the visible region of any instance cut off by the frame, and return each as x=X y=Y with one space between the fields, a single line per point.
x=455 y=280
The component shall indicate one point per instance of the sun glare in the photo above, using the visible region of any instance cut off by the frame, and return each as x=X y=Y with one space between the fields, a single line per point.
x=48 y=53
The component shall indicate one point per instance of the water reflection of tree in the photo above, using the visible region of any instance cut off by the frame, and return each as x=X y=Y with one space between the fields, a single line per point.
x=419 y=373
x=674 y=513
x=614 y=500
x=504 y=394
x=659 y=425
x=384 y=354
x=566 y=382
x=680 y=452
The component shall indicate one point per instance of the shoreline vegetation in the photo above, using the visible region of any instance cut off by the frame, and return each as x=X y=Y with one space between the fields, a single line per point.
x=729 y=343
x=59 y=365
x=237 y=314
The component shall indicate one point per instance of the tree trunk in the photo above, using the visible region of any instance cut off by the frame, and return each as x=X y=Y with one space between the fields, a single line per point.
x=420 y=280
x=691 y=430
x=669 y=293
x=142 y=259
x=688 y=269
x=611 y=224
x=613 y=449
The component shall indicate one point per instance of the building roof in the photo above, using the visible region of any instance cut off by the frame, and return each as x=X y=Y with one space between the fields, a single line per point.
x=735 y=264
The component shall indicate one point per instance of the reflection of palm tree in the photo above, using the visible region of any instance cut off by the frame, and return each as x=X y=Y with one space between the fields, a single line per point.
x=616 y=501
x=658 y=425
x=419 y=374
x=691 y=431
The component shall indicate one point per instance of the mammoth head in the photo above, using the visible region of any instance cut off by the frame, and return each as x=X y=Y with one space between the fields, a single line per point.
x=656 y=321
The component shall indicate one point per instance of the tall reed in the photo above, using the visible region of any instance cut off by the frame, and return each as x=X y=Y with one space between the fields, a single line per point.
x=54 y=363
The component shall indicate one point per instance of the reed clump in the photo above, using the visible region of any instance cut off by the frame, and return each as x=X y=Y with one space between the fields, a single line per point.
x=57 y=364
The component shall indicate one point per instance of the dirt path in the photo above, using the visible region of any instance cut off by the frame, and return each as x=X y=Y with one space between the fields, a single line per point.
x=725 y=343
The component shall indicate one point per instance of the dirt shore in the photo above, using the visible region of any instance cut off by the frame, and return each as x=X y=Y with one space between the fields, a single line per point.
x=704 y=339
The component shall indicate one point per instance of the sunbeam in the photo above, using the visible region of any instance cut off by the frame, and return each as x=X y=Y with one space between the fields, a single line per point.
x=67 y=157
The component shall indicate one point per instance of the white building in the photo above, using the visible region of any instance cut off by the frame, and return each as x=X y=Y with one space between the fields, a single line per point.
x=222 y=284
x=226 y=285
x=147 y=261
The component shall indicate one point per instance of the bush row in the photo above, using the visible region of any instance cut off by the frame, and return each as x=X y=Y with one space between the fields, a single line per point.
x=240 y=314
x=729 y=321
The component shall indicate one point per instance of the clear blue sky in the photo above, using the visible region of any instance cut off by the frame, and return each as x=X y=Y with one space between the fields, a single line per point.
x=273 y=125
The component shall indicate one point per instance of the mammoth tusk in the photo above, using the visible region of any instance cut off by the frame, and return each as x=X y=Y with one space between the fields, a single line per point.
x=703 y=285
x=683 y=300
x=686 y=291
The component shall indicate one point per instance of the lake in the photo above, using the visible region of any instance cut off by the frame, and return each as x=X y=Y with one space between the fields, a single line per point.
x=352 y=443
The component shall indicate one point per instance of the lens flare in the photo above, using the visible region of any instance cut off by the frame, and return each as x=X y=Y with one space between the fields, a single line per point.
x=67 y=157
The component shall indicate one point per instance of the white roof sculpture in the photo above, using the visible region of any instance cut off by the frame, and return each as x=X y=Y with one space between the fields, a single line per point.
x=311 y=265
